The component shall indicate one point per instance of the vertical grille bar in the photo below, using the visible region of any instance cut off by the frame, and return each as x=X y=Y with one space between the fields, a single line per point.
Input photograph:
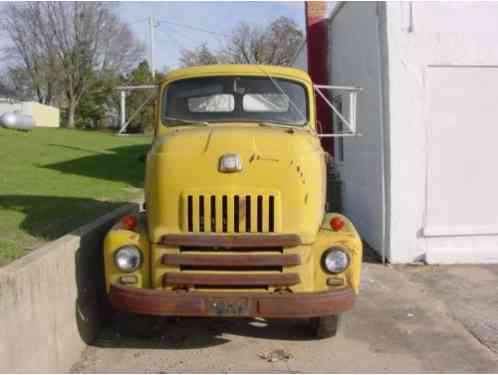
x=212 y=216
x=236 y=214
x=254 y=214
x=264 y=214
x=271 y=213
x=260 y=214
x=224 y=213
x=219 y=214
x=248 y=213
x=230 y=214
x=190 y=214
x=202 y=217
x=195 y=213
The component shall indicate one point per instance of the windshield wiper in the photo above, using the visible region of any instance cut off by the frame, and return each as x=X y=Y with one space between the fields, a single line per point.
x=188 y=122
x=277 y=124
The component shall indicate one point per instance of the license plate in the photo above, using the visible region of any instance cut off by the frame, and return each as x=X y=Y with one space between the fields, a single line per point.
x=228 y=306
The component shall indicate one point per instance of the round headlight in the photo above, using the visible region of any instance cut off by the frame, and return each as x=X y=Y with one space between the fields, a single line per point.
x=128 y=258
x=335 y=260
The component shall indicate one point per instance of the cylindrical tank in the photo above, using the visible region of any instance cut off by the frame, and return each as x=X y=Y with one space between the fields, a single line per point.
x=11 y=120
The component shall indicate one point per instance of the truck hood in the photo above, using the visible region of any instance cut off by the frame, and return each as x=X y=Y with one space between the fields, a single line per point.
x=283 y=169
x=236 y=138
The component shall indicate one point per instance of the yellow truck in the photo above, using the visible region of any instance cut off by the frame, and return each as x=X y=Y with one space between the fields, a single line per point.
x=235 y=221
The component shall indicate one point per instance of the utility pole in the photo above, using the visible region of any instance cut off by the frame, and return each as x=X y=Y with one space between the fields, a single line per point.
x=152 y=24
x=123 y=109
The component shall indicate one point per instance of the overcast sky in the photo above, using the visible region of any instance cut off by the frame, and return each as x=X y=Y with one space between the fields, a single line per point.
x=218 y=17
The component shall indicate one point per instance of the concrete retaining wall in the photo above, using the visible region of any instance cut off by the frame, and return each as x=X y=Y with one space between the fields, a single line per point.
x=50 y=300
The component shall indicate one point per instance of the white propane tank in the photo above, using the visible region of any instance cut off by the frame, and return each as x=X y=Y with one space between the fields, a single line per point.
x=11 y=120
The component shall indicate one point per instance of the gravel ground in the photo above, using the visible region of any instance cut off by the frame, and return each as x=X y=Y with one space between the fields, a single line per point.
x=406 y=319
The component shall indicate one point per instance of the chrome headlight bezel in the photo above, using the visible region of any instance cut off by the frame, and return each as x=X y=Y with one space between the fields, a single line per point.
x=337 y=251
x=133 y=254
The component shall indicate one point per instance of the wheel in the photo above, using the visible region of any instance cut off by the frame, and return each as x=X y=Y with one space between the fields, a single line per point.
x=136 y=325
x=324 y=326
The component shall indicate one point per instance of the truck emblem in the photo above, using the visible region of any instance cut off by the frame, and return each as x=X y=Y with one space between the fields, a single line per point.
x=230 y=163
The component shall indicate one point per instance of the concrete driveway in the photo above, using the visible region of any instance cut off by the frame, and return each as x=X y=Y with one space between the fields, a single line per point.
x=442 y=319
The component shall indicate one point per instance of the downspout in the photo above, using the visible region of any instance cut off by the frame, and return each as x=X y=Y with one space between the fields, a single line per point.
x=384 y=129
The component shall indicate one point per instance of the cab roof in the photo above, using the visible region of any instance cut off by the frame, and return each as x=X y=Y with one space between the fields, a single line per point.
x=237 y=69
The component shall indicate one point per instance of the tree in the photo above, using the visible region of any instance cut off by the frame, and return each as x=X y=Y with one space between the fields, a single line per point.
x=18 y=81
x=200 y=55
x=141 y=75
x=68 y=47
x=95 y=107
x=275 y=44
x=30 y=58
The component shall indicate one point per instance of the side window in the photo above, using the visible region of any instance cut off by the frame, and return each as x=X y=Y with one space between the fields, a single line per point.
x=338 y=128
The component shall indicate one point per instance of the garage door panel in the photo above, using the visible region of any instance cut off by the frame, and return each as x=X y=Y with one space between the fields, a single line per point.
x=462 y=150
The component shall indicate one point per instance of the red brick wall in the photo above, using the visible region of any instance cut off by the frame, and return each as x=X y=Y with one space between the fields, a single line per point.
x=317 y=42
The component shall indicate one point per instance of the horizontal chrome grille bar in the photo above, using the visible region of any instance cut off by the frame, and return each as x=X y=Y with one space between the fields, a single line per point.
x=201 y=260
x=264 y=280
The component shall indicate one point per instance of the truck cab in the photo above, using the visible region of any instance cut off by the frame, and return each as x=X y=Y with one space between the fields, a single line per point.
x=235 y=221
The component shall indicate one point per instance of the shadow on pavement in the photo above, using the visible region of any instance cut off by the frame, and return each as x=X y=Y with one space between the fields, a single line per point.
x=192 y=333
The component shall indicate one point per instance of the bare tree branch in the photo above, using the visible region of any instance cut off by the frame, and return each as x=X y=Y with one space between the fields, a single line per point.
x=67 y=47
x=274 y=44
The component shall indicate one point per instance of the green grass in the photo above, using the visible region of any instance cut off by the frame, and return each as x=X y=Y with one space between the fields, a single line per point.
x=55 y=180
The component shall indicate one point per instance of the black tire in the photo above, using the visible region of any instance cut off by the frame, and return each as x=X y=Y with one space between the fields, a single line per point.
x=324 y=327
x=135 y=325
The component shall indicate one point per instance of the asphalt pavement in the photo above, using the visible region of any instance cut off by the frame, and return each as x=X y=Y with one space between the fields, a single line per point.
x=406 y=319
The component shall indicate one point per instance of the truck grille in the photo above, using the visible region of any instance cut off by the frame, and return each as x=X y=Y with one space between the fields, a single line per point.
x=204 y=268
x=230 y=213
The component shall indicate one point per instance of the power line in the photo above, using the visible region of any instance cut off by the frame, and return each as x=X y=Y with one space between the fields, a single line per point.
x=171 y=38
x=136 y=21
x=194 y=28
x=184 y=36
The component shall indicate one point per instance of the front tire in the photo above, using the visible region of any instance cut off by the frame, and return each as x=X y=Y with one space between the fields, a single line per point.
x=136 y=325
x=324 y=326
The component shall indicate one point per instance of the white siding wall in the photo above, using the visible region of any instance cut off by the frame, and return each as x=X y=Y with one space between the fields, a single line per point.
x=10 y=107
x=355 y=61
x=443 y=60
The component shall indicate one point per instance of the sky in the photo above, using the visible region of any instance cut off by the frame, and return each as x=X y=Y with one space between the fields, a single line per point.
x=217 y=17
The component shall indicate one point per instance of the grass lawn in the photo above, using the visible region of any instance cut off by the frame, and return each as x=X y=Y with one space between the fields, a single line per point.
x=55 y=180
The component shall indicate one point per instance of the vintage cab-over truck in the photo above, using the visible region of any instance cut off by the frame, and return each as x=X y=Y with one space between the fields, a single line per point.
x=235 y=221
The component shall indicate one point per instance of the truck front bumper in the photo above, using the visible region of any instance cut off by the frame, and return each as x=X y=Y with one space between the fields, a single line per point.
x=269 y=305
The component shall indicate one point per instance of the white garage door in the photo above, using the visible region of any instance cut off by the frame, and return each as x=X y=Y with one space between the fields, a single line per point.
x=462 y=145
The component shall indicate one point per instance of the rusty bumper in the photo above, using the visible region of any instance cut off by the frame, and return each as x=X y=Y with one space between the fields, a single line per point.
x=275 y=305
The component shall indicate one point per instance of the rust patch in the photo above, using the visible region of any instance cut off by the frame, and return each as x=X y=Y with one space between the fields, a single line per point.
x=220 y=260
x=278 y=305
x=213 y=279
x=229 y=241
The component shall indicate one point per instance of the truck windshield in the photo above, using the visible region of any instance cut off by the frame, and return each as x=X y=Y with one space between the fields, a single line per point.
x=235 y=99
